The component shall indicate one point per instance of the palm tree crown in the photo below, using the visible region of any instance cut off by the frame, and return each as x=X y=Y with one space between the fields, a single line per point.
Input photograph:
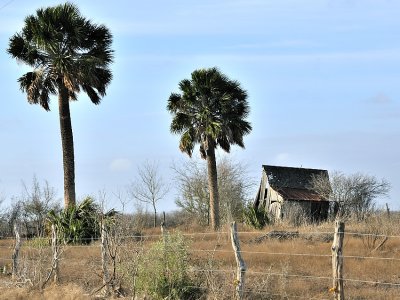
x=211 y=105
x=68 y=54
x=63 y=48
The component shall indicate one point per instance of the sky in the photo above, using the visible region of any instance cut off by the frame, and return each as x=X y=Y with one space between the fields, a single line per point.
x=322 y=78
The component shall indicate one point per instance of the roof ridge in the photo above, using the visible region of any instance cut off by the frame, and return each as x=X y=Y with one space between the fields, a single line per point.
x=294 y=168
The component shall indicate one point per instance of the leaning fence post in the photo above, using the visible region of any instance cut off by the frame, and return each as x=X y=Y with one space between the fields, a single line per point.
x=16 y=251
x=104 y=256
x=241 y=266
x=337 y=261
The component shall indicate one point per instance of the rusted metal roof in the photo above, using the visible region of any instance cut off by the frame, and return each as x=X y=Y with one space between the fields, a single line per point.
x=299 y=194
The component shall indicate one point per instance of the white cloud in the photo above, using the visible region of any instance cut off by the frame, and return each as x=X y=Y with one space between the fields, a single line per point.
x=380 y=98
x=384 y=107
x=120 y=165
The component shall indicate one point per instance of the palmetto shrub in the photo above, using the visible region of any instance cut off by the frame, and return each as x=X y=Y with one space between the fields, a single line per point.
x=77 y=224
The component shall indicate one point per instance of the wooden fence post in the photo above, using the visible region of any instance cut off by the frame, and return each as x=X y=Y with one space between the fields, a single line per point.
x=16 y=251
x=388 y=211
x=241 y=266
x=337 y=261
x=164 y=234
x=104 y=257
x=55 y=247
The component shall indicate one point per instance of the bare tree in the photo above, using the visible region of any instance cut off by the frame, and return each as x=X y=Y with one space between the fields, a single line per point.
x=122 y=198
x=35 y=202
x=354 y=194
x=192 y=183
x=13 y=215
x=149 y=186
x=234 y=189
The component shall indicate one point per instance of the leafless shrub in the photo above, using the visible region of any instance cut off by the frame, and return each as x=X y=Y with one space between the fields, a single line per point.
x=376 y=229
x=234 y=188
x=129 y=263
x=354 y=194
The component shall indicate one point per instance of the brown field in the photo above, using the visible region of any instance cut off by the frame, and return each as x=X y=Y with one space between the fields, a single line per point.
x=296 y=268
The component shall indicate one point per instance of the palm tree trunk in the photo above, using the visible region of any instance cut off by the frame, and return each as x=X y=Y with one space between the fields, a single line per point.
x=67 y=147
x=212 y=183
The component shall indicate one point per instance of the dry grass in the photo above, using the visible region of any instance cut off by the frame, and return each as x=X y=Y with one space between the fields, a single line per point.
x=67 y=292
x=277 y=269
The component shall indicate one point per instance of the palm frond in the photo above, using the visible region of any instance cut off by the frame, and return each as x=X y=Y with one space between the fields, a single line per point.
x=180 y=123
x=174 y=103
x=37 y=88
x=93 y=95
x=187 y=142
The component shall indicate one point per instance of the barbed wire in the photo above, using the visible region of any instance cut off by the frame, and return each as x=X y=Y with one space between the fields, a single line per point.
x=263 y=234
x=67 y=247
x=296 y=276
x=371 y=234
x=194 y=270
x=289 y=275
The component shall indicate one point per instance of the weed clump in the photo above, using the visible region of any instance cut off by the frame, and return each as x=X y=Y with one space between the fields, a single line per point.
x=163 y=270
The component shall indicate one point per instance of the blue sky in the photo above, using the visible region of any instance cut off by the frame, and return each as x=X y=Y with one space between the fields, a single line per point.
x=322 y=77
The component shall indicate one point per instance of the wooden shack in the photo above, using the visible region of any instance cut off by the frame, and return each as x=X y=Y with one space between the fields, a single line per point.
x=287 y=192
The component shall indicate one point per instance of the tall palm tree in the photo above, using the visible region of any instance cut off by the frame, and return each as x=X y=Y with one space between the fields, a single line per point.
x=68 y=54
x=210 y=111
